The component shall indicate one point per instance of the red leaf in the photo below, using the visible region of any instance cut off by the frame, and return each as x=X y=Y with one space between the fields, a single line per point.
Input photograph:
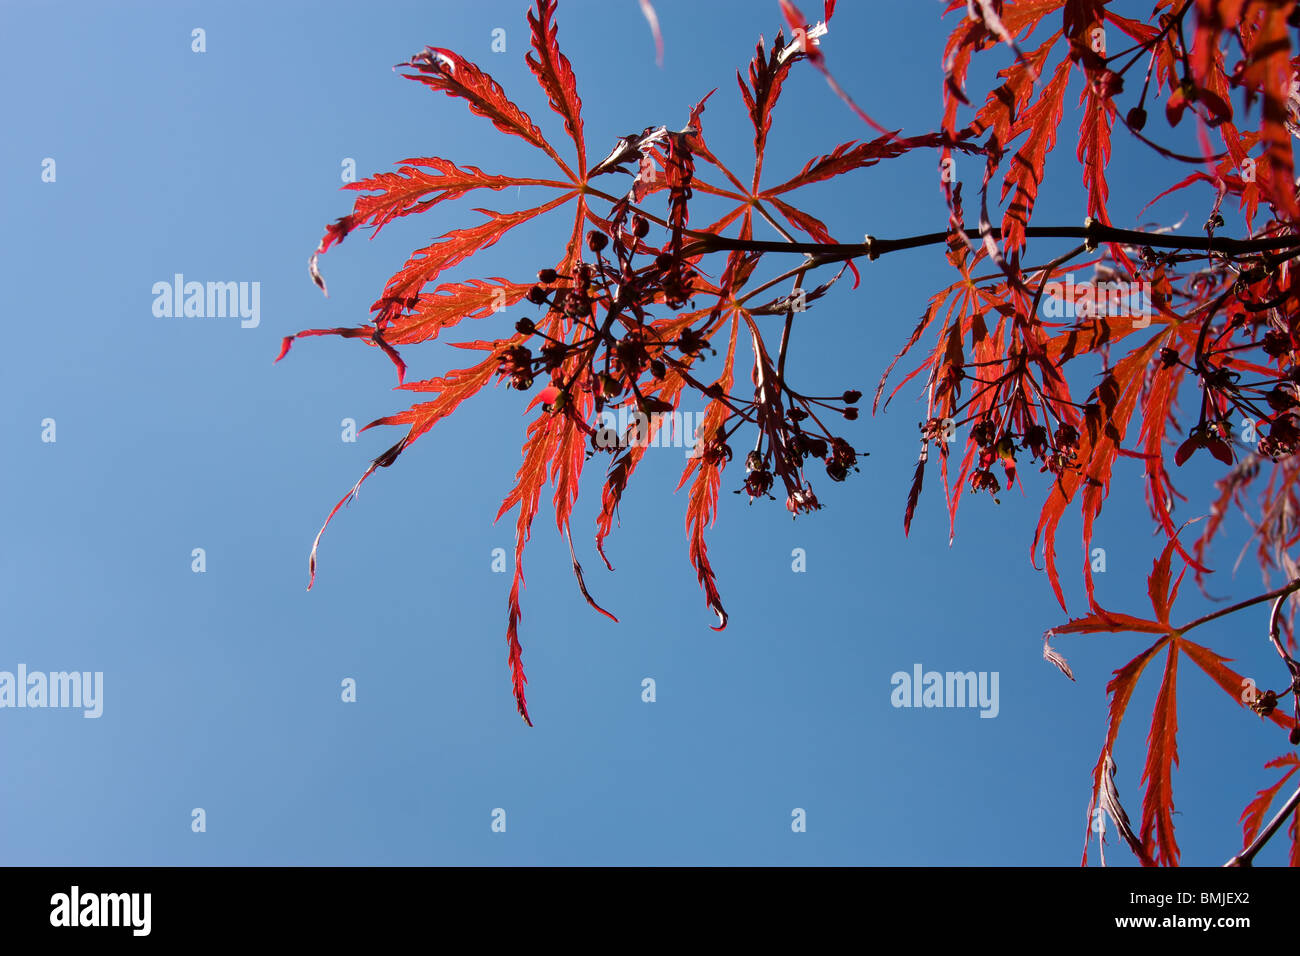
x=767 y=73
x=453 y=389
x=449 y=72
x=402 y=193
x=701 y=509
x=1252 y=818
x=800 y=30
x=844 y=158
x=455 y=247
x=1232 y=683
x=555 y=75
x=1107 y=622
x=1094 y=142
x=1268 y=69
x=1120 y=690
x=449 y=304
x=1115 y=401
x=1026 y=173
x=1162 y=757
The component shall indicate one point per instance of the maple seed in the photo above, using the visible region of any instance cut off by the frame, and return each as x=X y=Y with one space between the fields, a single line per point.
x=536 y=295
x=1280 y=399
x=610 y=386
x=691 y=342
x=547 y=275
x=1295 y=736
x=1276 y=344
x=983 y=480
x=657 y=368
x=1035 y=440
x=851 y=397
x=1168 y=357
x=758 y=483
x=851 y=414
x=525 y=327
x=816 y=447
x=596 y=241
x=640 y=226
x=1137 y=118
x=1265 y=704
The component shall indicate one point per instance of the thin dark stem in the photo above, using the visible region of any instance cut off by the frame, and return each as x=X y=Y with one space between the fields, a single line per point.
x=1096 y=233
x=1247 y=856
x=1222 y=612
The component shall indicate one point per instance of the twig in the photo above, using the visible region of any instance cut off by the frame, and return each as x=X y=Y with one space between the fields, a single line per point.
x=1246 y=857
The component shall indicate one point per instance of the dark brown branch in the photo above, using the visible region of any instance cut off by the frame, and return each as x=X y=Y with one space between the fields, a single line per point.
x=1095 y=233
x=1247 y=856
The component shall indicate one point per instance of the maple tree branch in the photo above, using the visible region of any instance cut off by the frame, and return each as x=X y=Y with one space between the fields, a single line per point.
x=1259 y=599
x=1246 y=857
x=1096 y=233
x=824 y=252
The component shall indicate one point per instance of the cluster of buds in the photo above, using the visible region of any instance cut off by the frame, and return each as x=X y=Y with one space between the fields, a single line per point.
x=517 y=362
x=1065 y=451
x=1057 y=451
x=984 y=480
x=802 y=500
x=715 y=451
x=603 y=339
x=1282 y=440
x=758 y=480
x=792 y=444
x=842 y=459
x=572 y=300
x=1265 y=703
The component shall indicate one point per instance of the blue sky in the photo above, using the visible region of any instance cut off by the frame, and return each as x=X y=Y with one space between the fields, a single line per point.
x=222 y=688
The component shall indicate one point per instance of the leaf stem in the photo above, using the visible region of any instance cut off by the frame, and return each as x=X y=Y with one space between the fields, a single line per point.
x=1223 y=612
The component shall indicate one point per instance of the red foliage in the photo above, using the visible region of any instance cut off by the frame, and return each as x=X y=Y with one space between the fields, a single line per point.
x=630 y=310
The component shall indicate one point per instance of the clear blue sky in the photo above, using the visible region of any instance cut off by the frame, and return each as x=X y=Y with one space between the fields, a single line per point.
x=222 y=689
